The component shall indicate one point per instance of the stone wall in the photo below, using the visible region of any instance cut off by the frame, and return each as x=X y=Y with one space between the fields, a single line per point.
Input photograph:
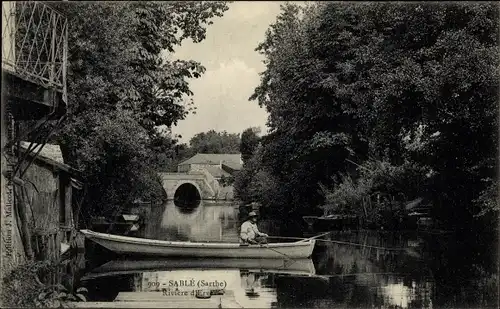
x=199 y=167
x=184 y=168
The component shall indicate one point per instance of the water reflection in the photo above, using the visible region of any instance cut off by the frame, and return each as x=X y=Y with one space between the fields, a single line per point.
x=187 y=207
x=359 y=269
x=231 y=286
x=133 y=266
x=378 y=274
x=205 y=223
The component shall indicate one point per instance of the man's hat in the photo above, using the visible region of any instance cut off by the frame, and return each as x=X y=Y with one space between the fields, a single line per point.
x=252 y=214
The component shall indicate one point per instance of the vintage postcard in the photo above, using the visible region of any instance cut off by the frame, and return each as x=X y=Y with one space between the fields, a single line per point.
x=247 y=154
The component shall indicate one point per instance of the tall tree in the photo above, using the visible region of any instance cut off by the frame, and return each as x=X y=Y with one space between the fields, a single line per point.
x=307 y=143
x=215 y=142
x=249 y=143
x=121 y=87
x=399 y=83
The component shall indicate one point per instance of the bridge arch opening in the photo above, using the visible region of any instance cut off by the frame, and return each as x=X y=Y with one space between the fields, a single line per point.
x=187 y=196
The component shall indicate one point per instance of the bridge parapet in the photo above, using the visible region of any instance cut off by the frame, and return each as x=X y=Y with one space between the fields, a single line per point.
x=211 y=181
x=190 y=175
x=172 y=181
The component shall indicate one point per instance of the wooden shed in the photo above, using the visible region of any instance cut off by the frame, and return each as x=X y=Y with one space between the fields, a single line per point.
x=48 y=208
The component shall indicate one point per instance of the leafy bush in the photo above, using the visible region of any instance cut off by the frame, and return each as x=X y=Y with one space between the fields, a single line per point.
x=23 y=288
x=378 y=194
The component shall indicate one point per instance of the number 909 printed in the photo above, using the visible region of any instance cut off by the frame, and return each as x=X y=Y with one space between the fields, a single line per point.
x=190 y=283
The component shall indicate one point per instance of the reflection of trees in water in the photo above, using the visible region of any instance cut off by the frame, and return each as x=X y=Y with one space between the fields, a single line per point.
x=447 y=271
x=464 y=271
x=152 y=224
x=356 y=271
x=71 y=270
x=227 y=216
x=387 y=239
x=345 y=259
x=107 y=288
x=300 y=291
x=348 y=292
x=173 y=233
x=338 y=258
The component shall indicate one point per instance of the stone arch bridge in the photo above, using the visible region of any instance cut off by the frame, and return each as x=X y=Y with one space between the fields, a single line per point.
x=208 y=187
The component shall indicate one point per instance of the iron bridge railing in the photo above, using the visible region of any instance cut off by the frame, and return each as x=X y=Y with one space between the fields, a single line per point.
x=35 y=43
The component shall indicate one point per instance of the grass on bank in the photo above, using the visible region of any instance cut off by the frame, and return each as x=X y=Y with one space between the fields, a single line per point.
x=23 y=288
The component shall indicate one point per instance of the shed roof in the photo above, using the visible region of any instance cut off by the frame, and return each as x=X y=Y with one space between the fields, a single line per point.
x=213 y=158
x=50 y=154
x=49 y=151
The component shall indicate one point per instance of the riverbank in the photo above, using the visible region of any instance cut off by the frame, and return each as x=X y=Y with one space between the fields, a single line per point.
x=37 y=285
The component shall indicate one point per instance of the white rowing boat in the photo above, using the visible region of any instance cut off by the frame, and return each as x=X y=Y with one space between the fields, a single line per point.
x=149 y=247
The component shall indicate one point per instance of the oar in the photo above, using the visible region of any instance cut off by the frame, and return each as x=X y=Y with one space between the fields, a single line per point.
x=301 y=239
x=314 y=237
x=338 y=242
x=285 y=237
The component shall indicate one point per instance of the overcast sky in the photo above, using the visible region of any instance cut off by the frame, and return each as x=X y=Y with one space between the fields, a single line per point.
x=228 y=53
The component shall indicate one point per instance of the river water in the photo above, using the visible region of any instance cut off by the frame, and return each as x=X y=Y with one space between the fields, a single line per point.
x=361 y=269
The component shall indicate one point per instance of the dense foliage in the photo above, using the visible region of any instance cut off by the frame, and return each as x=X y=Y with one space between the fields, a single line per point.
x=408 y=89
x=249 y=142
x=379 y=194
x=122 y=88
x=204 y=142
x=215 y=142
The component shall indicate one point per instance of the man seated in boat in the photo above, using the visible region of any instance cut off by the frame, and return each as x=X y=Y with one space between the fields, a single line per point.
x=249 y=233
